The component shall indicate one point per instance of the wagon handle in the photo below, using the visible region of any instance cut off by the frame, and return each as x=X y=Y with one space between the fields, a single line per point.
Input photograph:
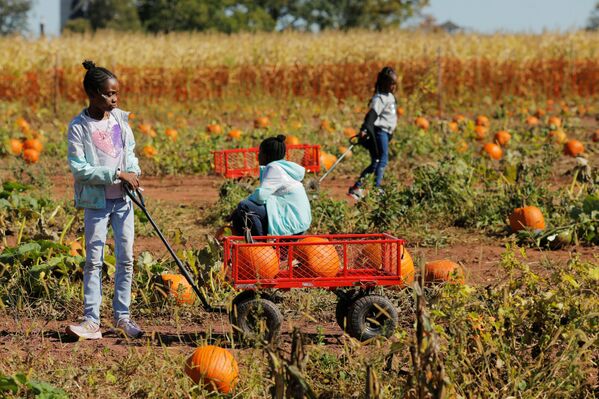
x=138 y=198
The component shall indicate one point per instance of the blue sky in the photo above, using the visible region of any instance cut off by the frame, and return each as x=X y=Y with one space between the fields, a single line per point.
x=480 y=15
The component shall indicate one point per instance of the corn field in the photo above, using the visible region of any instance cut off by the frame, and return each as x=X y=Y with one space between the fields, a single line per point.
x=194 y=66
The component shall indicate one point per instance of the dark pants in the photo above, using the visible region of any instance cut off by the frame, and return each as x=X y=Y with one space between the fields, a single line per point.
x=378 y=161
x=253 y=214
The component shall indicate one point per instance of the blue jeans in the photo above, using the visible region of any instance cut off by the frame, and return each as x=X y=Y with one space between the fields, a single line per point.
x=119 y=214
x=378 y=161
x=257 y=218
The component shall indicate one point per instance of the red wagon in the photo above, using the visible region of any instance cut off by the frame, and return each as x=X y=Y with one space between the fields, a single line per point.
x=240 y=162
x=351 y=265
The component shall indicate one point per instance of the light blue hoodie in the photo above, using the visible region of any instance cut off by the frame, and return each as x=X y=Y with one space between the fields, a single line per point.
x=287 y=204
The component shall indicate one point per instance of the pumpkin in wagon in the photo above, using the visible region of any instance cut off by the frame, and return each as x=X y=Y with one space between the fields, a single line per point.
x=257 y=261
x=320 y=260
x=373 y=254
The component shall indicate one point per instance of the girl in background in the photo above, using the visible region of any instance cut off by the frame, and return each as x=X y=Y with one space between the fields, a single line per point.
x=377 y=129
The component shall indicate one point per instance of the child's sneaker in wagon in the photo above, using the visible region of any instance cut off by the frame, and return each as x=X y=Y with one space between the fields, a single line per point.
x=356 y=193
x=86 y=330
x=129 y=328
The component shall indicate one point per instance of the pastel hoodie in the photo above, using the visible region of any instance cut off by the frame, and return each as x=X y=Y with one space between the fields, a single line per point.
x=287 y=204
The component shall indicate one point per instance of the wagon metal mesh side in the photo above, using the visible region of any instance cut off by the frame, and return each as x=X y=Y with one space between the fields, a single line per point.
x=326 y=261
x=241 y=162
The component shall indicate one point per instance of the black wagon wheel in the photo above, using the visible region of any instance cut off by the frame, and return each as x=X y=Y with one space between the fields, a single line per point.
x=371 y=316
x=344 y=302
x=256 y=319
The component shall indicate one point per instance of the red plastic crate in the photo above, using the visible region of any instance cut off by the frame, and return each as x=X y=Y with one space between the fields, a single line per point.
x=241 y=162
x=344 y=260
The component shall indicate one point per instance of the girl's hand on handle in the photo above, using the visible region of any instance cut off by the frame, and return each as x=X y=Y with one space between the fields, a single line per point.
x=130 y=178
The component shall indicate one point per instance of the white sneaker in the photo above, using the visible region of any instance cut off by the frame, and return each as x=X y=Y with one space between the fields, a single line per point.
x=86 y=330
x=129 y=328
x=356 y=193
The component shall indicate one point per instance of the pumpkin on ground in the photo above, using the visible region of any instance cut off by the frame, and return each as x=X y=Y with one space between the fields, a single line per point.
x=532 y=121
x=453 y=127
x=149 y=151
x=31 y=156
x=459 y=118
x=373 y=254
x=528 y=217
x=480 y=132
x=75 y=248
x=482 y=120
x=573 y=148
x=321 y=260
x=261 y=122
x=214 y=128
x=493 y=150
x=422 y=123
x=235 y=134
x=178 y=288
x=502 y=137
x=257 y=261
x=559 y=136
x=172 y=133
x=327 y=160
x=292 y=140
x=554 y=122
x=33 y=144
x=343 y=149
x=15 y=147
x=213 y=367
x=443 y=270
x=349 y=132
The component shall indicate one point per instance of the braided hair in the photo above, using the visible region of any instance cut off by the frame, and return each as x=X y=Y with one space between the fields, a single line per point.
x=385 y=77
x=95 y=77
x=273 y=149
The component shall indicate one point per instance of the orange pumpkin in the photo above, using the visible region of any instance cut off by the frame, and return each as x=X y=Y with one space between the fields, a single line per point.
x=502 y=137
x=257 y=261
x=453 y=127
x=31 y=156
x=146 y=129
x=462 y=147
x=400 y=111
x=322 y=260
x=493 y=150
x=292 y=140
x=214 y=128
x=459 y=118
x=33 y=144
x=172 y=133
x=540 y=113
x=422 y=123
x=443 y=270
x=374 y=259
x=75 y=248
x=15 y=146
x=178 y=288
x=554 y=122
x=149 y=151
x=480 y=132
x=349 y=132
x=528 y=217
x=532 y=121
x=213 y=367
x=559 y=136
x=132 y=116
x=343 y=149
x=22 y=124
x=235 y=134
x=482 y=120
x=327 y=160
x=261 y=122
x=573 y=148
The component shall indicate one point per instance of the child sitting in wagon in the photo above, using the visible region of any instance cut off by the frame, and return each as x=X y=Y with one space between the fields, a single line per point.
x=280 y=206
